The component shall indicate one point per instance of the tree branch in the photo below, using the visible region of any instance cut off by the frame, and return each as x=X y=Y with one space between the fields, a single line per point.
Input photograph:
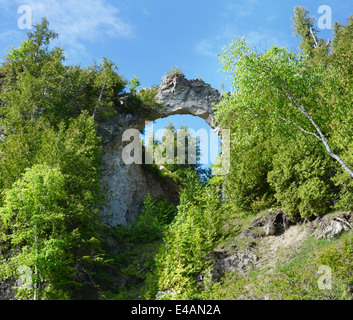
x=322 y=138
x=300 y=128
x=297 y=105
x=312 y=34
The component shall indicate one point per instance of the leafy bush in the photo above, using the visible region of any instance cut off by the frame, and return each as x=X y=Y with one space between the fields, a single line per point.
x=176 y=71
x=345 y=182
x=147 y=96
x=339 y=258
x=195 y=231
x=251 y=161
x=156 y=215
x=301 y=179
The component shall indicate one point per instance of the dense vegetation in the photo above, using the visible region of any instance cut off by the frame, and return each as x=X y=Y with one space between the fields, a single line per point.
x=50 y=164
x=290 y=115
x=291 y=118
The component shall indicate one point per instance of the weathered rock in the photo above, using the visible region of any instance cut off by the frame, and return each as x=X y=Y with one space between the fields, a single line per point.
x=128 y=185
x=270 y=224
x=225 y=262
x=181 y=96
x=6 y=291
x=332 y=225
x=163 y=293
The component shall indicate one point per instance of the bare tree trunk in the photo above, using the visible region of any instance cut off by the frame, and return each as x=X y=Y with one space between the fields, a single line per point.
x=320 y=135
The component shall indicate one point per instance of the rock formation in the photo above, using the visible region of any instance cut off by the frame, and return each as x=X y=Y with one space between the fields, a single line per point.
x=128 y=185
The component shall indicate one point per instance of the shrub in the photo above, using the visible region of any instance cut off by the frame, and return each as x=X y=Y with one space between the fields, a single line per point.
x=301 y=179
x=176 y=71
x=156 y=215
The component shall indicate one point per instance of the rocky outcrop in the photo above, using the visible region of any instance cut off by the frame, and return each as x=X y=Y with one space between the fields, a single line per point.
x=332 y=225
x=181 y=96
x=224 y=262
x=270 y=224
x=128 y=185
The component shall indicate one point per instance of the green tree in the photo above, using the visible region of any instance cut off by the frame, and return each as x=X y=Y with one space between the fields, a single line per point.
x=182 y=256
x=279 y=100
x=339 y=86
x=75 y=151
x=134 y=84
x=36 y=83
x=311 y=44
x=48 y=113
x=34 y=214
x=301 y=178
x=166 y=152
x=277 y=85
x=252 y=151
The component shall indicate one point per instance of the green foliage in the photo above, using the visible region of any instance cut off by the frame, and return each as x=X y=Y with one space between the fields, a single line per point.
x=186 y=242
x=134 y=84
x=150 y=225
x=340 y=96
x=37 y=84
x=50 y=164
x=339 y=258
x=176 y=71
x=166 y=154
x=251 y=161
x=147 y=96
x=301 y=179
x=315 y=47
x=261 y=117
x=34 y=211
x=281 y=107
x=75 y=151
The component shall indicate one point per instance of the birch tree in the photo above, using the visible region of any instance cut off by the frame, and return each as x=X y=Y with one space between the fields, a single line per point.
x=280 y=86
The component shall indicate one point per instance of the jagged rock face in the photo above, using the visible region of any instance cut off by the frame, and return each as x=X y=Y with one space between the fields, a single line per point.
x=128 y=185
x=182 y=96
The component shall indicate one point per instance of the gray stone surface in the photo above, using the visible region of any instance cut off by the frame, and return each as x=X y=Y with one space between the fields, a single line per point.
x=128 y=185
x=332 y=225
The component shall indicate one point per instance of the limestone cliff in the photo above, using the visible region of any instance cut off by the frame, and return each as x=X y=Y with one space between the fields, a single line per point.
x=128 y=185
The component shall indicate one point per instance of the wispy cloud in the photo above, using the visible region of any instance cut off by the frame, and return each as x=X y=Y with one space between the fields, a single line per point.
x=241 y=9
x=263 y=40
x=81 y=20
x=146 y=12
x=10 y=34
x=205 y=48
x=238 y=20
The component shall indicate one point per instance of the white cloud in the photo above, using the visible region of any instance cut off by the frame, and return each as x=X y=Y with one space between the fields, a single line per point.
x=231 y=27
x=9 y=35
x=146 y=12
x=77 y=21
x=241 y=9
x=262 y=41
x=205 y=48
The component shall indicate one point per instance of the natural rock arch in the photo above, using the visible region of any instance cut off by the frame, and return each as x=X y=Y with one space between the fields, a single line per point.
x=128 y=185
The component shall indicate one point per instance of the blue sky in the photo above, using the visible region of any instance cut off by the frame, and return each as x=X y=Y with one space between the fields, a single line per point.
x=147 y=38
